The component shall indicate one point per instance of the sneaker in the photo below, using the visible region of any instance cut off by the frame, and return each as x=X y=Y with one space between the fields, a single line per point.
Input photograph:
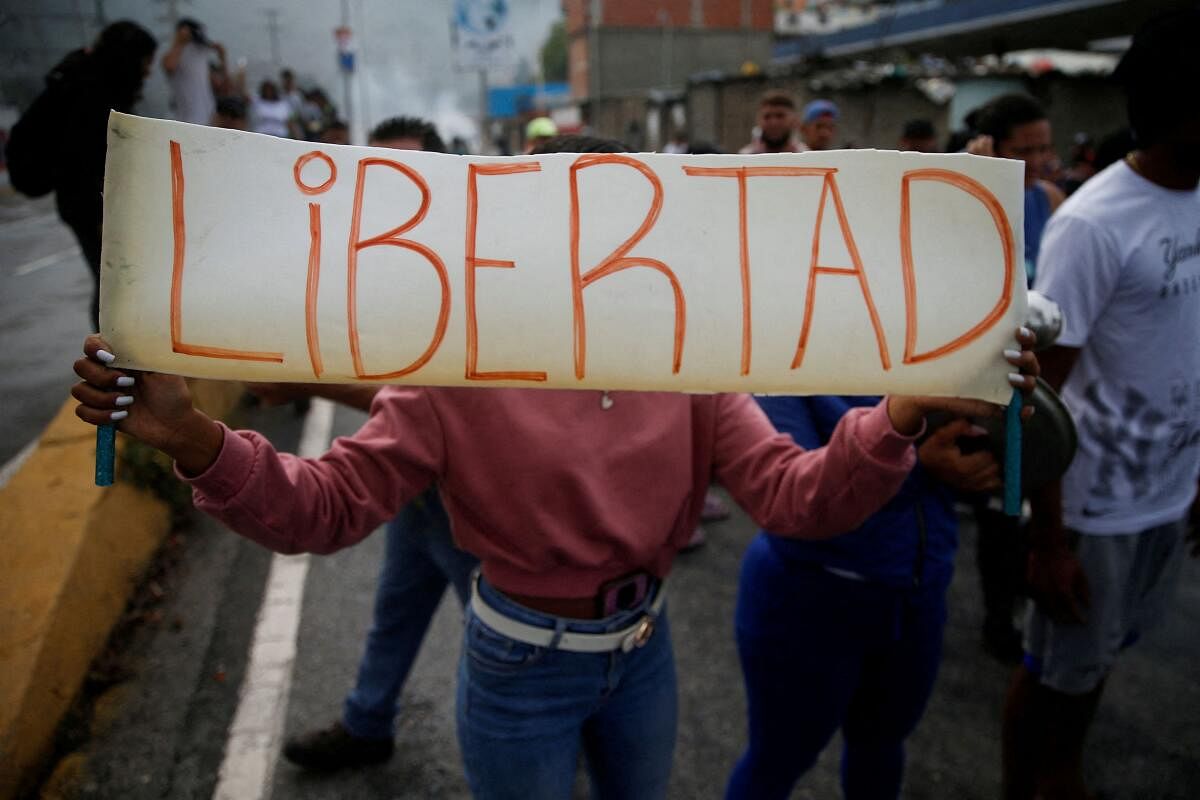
x=335 y=748
x=714 y=508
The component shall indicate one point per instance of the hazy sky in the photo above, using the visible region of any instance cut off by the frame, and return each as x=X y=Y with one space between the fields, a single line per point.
x=405 y=62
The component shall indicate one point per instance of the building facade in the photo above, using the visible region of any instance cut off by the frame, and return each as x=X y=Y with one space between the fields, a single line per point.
x=619 y=47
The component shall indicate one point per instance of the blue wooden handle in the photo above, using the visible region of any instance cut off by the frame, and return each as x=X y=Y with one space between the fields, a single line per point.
x=106 y=454
x=1012 y=457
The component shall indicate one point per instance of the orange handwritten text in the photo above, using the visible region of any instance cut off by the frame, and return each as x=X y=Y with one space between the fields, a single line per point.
x=180 y=235
x=314 y=254
x=392 y=238
x=473 y=262
x=618 y=260
x=311 y=286
x=829 y=188
x=980 y=193
x=742 y=173
x=300 y=164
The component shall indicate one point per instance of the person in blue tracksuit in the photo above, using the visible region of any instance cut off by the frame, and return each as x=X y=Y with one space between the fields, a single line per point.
x=847 y=632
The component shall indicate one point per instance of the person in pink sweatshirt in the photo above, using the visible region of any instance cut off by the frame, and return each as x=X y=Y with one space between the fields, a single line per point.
x=575 y=502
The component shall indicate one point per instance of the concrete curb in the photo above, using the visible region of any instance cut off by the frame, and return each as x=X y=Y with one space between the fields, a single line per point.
x=72 y=554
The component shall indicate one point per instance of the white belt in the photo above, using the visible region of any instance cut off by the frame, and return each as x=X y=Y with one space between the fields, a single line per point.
x=626 y=639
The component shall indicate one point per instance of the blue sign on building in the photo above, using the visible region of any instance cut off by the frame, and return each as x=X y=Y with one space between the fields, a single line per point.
x=513 y=101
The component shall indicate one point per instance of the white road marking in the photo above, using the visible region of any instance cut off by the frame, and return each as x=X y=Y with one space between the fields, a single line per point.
x=31 y=219
x=45 y=261
x=13 y=464
x=252 y=745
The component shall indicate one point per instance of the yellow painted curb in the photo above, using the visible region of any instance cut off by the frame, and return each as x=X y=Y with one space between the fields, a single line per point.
x=72 y=554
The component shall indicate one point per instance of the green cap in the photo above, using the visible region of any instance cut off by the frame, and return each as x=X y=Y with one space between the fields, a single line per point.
x=540 y=127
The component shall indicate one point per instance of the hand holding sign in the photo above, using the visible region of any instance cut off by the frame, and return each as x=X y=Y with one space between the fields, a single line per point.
x=165 y=419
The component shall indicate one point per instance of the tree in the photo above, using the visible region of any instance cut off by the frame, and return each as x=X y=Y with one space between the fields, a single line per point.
x=554 y=53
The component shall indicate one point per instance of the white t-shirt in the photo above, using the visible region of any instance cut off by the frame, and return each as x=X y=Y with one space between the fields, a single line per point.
x=270 y=116
x=1122 y=258
x=191 y=86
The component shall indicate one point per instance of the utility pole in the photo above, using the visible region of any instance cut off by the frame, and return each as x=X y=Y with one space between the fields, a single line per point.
x=667 y=51
x=747 y=30
x=484 y=134
x=273 y=33
x=595 y=17
x=364 y=85
x=344 y=37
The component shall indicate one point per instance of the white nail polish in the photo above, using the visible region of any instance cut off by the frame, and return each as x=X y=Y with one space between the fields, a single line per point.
x=117 y=416
x=1012 y=353
x=105 y=356
x=1026 y=332
x=1016 y=379
x=125 y=380
x=124 y=400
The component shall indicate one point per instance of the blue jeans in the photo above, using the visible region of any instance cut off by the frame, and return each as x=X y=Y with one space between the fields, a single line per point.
x=821 y=652
x=525 y=713
x=420 y=560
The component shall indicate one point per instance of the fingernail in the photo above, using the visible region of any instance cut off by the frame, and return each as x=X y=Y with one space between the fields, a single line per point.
x=125 y=380
x=977 y=430
x=1026 y=332
x=105 y=356
x=1011 y=354
x=124 y=400
x=1032 y=411
x=1016 y=379
x=117 y=416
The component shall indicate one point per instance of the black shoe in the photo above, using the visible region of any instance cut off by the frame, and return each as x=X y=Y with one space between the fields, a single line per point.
x=335 y=748
x=1002 y=643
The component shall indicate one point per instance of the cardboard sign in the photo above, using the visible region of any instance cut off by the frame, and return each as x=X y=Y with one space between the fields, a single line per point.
x=240 y=256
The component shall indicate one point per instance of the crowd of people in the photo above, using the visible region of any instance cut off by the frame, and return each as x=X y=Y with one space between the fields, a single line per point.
x=205 y=91
x=842 y=594
x=846 y=633
x=59 y=143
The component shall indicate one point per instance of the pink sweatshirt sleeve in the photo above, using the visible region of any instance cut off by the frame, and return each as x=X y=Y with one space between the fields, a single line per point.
x=809 y=494
x=292 y=505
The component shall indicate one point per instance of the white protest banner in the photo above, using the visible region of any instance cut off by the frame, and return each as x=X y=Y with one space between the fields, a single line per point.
x=240 y=256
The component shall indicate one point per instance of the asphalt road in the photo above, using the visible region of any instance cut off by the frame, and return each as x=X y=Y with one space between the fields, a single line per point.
x=161 y=732
x=45 y=289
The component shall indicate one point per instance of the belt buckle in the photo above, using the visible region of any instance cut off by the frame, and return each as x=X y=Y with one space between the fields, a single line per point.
x=622 y=593
x=641 y=634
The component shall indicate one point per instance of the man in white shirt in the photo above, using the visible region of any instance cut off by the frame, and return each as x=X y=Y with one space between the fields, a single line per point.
x=1122 y=259
x=188 y=65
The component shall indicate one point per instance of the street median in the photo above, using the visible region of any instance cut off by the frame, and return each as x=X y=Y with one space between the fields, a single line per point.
x=72 y=555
